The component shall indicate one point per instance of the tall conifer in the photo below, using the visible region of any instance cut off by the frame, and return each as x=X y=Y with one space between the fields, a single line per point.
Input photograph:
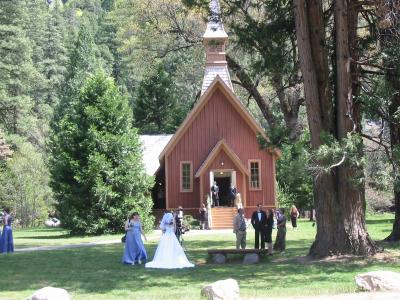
x=97 y=173
x=16 y=69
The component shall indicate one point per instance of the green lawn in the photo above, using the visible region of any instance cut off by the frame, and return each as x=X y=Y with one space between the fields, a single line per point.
x=24 y=238
x=96 y=272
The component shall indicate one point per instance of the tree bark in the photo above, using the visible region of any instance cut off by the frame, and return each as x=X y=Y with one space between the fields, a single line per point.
x=351 y=230
x=316 y=94
x=388 y=12
x=393 y=76
x=338 y=202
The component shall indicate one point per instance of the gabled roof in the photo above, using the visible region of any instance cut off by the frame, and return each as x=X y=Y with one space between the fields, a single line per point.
x=221 y=146
x=218 y=83
x=152 y=146
x=211 y=72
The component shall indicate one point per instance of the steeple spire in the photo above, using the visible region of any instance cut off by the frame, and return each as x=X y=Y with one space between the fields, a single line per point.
x=214 y=40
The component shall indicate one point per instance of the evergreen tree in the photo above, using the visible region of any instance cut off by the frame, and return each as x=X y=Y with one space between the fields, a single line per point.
x=82 y=63
x=97 y=173
x=16 y=69
x=155 y=106
x=55 y=55
x=108 y=43
x=35 y=30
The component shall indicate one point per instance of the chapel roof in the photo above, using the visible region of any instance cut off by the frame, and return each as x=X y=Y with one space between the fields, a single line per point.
x=152 y=146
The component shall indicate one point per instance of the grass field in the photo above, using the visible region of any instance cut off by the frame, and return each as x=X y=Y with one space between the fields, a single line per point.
x=96 y=272
x=34 y=237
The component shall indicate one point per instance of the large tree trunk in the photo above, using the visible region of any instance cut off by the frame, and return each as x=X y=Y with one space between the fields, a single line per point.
x=338 y=202
x=389 y=12
x=351 y=230
x=393 y=77
x=394 y=236
x=316 y=89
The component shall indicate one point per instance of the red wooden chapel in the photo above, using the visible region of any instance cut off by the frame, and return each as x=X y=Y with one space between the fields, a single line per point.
x=218 y=141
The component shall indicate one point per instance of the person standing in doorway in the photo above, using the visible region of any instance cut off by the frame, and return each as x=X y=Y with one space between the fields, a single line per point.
x=232 y=195
x=215 y=194
x=239 y=228
x=258 y=220
x=294 y=215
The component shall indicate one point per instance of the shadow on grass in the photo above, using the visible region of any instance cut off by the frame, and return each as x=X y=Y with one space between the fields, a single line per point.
x=98 y=269
x=41 y=229
x=380 y=221
x=46 y=237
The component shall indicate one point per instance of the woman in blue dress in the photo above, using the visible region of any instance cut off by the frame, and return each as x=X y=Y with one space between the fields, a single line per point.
x=134 y=252
x=6 y=240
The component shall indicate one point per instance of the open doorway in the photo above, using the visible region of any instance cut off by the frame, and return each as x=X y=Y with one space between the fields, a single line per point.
x=223 y=179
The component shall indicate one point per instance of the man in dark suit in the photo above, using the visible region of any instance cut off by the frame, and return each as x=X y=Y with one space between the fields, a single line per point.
x=215 y=194
x=232 y=195
x=258 y=220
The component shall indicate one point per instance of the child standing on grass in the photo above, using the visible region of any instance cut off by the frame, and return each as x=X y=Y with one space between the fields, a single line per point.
x=134 y=252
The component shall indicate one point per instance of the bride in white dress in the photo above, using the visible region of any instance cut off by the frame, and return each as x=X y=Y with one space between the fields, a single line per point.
x=169 y=253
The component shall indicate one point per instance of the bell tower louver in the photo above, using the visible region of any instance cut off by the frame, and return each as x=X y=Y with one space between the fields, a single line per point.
x=214 y=40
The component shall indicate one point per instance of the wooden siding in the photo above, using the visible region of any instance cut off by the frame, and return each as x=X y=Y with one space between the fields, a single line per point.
x=216 y=121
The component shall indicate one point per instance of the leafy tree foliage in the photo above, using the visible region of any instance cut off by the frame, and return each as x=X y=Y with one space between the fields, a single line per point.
x=293 y=175
x=24 y=185
x=97 y=173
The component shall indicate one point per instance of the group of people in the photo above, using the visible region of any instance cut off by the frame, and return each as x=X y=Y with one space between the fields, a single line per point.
x=6 y=236
x=169 y=253
x=263 y=224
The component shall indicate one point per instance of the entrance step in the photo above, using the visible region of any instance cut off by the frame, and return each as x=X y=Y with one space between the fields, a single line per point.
x=222 y=217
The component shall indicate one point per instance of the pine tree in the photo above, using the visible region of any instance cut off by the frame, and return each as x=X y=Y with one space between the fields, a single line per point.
x=97 y=173
x=16 y=69
x=54 y=54
x=81 y=64
x=155 y=103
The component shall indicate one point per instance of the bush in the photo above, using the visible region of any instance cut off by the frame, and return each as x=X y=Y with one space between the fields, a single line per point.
x=24 y=185
x=190 y=223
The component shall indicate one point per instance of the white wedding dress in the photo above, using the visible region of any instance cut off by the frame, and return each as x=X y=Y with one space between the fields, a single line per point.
x=169 y=253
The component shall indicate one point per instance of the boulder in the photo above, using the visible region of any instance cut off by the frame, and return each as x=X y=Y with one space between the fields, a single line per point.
x=379 y=280
x=53 y=222
x=50 y=293
x=251 y=258
x=227 y=289
x=219 y=258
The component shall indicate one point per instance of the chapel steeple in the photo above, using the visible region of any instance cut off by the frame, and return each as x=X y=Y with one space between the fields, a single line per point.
x=214 y=40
